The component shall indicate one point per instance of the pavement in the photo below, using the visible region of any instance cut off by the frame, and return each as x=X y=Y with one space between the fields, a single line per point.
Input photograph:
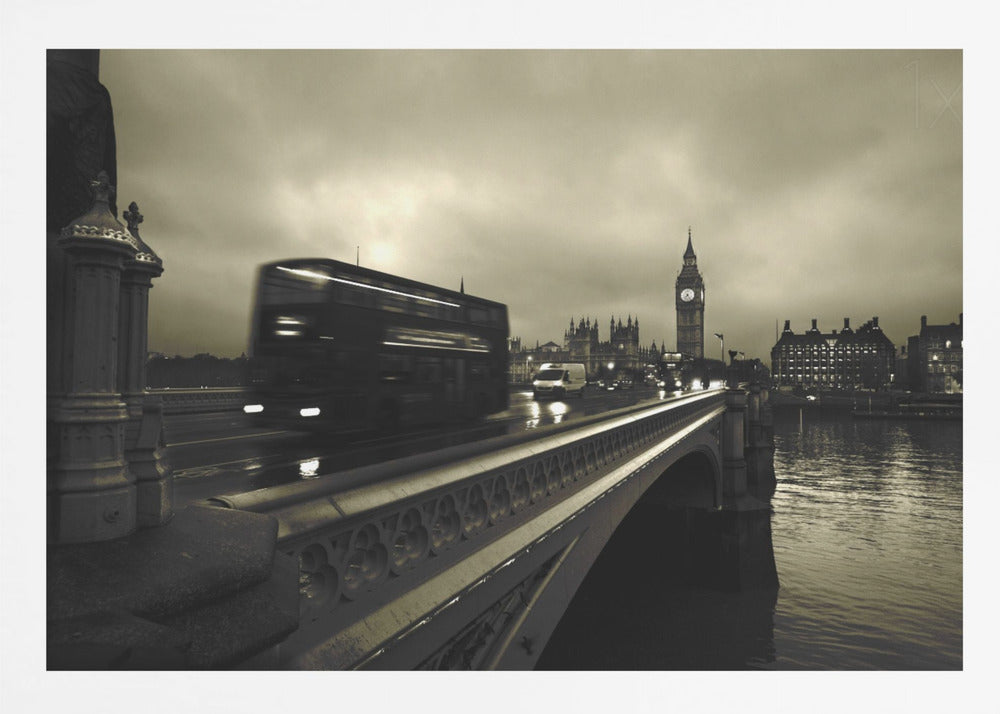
x=207 y=590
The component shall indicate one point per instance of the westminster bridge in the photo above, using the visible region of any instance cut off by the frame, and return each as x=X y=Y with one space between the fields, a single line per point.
x=465 y=557
x=456 y=558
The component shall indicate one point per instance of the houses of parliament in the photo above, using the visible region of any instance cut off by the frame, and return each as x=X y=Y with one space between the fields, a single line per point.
x=622 y=351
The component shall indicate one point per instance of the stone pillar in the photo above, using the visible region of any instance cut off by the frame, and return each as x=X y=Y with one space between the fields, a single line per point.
x=80 y=143
x=734 y=467
x=766 y=416
x=91 y=496
x=753 y=415
x=730 y=550
x=760 y=445
x=144 y=443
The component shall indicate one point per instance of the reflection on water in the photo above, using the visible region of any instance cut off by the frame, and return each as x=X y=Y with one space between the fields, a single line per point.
x=868 y=542
x=867 y=536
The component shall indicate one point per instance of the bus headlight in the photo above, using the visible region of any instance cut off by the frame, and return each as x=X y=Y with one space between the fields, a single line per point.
x=253 y=408
x=309 y=411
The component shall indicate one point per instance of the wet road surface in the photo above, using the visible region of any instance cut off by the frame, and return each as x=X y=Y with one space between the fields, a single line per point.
x=223 y=453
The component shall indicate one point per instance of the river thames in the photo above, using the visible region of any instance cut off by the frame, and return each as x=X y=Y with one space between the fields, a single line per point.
x=866 y=527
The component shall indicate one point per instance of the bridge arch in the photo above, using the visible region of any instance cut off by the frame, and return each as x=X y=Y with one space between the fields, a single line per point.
x=653 y=547
x=694 y=480
x=627 y=490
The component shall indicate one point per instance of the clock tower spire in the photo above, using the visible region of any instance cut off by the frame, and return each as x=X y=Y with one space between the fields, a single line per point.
x=689 y=299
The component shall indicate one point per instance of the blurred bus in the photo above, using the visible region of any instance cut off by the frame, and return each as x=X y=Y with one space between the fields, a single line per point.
x=339 y=348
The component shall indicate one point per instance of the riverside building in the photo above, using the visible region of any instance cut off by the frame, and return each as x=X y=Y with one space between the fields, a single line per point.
x=848 y=359
x=934 y=360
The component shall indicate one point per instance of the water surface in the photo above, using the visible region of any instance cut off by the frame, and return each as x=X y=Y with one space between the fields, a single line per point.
x=866 y=527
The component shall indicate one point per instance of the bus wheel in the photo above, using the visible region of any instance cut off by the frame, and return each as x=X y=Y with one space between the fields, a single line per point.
x=387 y=418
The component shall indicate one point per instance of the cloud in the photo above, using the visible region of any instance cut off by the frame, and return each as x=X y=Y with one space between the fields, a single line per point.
x=817 y=184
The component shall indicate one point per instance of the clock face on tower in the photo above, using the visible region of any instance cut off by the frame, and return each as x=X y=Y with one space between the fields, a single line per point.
x=687 y=294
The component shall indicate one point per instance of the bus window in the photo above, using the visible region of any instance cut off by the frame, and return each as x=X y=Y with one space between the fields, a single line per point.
x=453 y=376
x=479 y=372
x=479 y=315
x=353 y=295
x=429 y=370
x=280 y=324
x=393 y=303
x=281 y=290
x=397 y=369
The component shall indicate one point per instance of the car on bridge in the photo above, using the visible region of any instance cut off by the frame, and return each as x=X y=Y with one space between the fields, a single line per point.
x=559 y=379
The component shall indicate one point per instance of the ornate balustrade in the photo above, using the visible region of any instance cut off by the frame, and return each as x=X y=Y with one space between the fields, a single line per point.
x=363 y=545
x=190 y=401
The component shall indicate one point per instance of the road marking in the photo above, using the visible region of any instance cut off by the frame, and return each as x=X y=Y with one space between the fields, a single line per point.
x=227 y=438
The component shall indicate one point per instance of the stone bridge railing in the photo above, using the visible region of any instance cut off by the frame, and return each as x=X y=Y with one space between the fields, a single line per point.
x=190 y=401
x=373 y=536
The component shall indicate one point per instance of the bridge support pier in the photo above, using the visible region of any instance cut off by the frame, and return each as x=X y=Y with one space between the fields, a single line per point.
x=730 y=547
x=761 y=481
x=732 y=440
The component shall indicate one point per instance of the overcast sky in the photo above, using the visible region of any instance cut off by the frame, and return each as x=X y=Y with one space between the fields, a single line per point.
x=816 y=184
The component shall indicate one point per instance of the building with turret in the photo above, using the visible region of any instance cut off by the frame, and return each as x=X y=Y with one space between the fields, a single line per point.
x=622 y=353
x=848 y=359
x=622 y=349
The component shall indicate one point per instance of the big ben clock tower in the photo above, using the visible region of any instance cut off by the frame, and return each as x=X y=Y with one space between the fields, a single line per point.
x=689 y=296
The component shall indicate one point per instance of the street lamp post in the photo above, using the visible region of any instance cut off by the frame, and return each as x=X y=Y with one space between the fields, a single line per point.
x=722 y=348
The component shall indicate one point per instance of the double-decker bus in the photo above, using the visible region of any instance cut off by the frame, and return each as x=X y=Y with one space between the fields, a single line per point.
x=340 y=348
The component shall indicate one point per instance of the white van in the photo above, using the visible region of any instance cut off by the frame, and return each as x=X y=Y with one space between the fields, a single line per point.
x=559 y=379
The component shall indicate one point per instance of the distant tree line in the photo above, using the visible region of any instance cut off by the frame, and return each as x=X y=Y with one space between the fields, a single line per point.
x=202 y=370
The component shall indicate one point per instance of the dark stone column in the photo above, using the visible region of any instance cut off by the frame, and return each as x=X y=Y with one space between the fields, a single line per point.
x=760 y=445
x=732 y=549
x=80 y=135
x=90 y=496
x=144 y=442
x=208 y=589
x=753 y=414
x=80 y=144
x=734 y=466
